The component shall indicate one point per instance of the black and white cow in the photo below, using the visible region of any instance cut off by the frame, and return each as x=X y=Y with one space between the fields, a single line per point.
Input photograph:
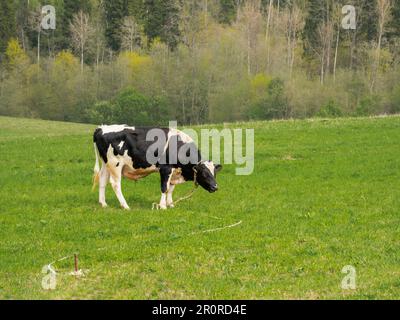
x=123 y=152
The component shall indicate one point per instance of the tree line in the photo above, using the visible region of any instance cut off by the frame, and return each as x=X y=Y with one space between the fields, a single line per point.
x=197 y=61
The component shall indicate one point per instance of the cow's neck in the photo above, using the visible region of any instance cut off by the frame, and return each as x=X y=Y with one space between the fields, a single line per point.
x=188 y=172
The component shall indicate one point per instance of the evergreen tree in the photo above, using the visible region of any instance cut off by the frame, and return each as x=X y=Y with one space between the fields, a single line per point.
x=367 y=26
x=395 y=24
x=7 y=23
x=22 y=19
x=135 y=9
x=315 y=17
x=114 y=13
x=170 y=30
x=227 y=11
x=162 y=20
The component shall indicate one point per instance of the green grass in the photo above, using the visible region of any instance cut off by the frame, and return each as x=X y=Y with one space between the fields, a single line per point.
x=325 y=194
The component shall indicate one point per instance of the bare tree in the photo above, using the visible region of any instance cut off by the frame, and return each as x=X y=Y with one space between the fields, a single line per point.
x=250 y=17
x=337 y=19
x=294 y=22
x=384 y=8
x=35 y=23
x=131 y=34
x=81 y=32
x=325 y=33
x=269 y=17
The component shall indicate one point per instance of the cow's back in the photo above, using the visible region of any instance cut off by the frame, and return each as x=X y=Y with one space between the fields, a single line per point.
x=124 y=139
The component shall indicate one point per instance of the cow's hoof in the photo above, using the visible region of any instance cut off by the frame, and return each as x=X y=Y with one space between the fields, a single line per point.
x=171 y=206
x=163 y=207
x=126 y=208
x=104 y=205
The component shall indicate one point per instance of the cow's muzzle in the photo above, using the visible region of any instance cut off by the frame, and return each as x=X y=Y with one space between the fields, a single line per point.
x=213 y=189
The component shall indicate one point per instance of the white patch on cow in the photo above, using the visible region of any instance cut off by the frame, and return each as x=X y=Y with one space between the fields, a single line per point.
x=173 y=133
x=163 y=201
x=115 y=128
x=170 y=201
x=121 y=145
x=210 y=166
x=104 y=179
x=115 y=164
x=184 y=137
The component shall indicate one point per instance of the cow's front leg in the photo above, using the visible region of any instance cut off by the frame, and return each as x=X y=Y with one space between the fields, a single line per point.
x=170 y=201
x=166 y=174
x=115 y=181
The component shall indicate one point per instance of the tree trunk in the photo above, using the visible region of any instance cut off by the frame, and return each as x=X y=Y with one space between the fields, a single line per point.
x=336 y=53
x=377 y=61
x=206 y=13
x=38 y=48
x=293 y=48
x=82 y=57
x=271 y=3
x=384 y=9
x=23 y=39
x=352 y=50
x=322 y=75
x=248 y=52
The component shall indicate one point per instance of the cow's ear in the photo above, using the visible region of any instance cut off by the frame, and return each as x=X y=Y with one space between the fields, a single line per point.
x=218 y=168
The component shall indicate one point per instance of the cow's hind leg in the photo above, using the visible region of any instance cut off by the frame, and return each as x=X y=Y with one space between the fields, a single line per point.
x=104 y=178
x=115 y=181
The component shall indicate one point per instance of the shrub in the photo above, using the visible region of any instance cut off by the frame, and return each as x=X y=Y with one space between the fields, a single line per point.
x=330 y=110
x=273 y=105
x=130 y=107
x=101 y=113
x=368 y=106
x=395 y=101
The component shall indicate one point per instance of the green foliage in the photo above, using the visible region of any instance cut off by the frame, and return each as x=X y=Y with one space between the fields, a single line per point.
x=369 y=105
x=316 y=15
x=102 y=113
x=114 y=13
x=207 y=65
x=395 y=101
x=394 y=31
x=162 y=21
x=367 y=20
x=330 y=110
x=273 y=105
x=7 y=23
x=130 y=107
x=133 y=108
x=15 y=56
x=227 y=11
x=136 y=9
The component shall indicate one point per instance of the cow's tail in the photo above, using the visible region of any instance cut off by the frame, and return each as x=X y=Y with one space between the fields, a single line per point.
x=96 y=174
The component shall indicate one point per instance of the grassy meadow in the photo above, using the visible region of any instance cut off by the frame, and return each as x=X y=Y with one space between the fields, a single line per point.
x=324 y=194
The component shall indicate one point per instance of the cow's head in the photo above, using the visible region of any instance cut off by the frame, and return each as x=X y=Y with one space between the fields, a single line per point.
x=206 y=173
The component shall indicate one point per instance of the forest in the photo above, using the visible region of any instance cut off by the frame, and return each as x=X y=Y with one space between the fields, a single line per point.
x=145 y=62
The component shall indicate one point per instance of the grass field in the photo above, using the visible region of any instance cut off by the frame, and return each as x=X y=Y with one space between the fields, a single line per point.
x=325 y=194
